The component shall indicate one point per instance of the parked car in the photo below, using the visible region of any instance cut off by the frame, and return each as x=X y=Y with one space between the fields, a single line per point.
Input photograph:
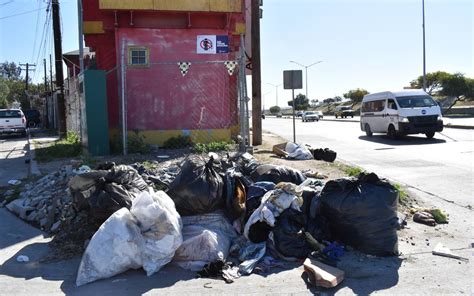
x=320 y=114
x=310 y=116
x=33 y=118
x=12 y=121
x=344 y=112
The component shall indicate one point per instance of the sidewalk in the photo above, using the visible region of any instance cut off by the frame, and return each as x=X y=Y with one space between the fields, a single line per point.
x=451 y=122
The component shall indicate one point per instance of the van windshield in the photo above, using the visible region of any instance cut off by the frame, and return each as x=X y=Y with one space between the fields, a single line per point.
x=415 y=101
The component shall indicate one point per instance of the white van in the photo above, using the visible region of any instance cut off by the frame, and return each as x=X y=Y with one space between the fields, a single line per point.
x=400 y=113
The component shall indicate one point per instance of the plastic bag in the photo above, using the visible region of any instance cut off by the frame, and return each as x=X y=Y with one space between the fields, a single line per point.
x=362 y=212
x=297 y=151
x=207 y=238
x=146 y=236
x=284 y=196
x=235 y=194
x=277 y=174
x=287 y=240
x=198 y=188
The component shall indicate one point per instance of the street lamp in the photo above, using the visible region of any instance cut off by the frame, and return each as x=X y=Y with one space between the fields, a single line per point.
x=263 y=101
x=276 y=90
x=306 y=72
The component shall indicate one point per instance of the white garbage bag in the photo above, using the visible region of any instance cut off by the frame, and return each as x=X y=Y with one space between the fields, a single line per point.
x=146 y=236
x=207 y=238
x=297 y=151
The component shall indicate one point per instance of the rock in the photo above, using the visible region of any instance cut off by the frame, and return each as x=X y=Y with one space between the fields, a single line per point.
x=55 y=226
x=43 y=222
x=9 y=192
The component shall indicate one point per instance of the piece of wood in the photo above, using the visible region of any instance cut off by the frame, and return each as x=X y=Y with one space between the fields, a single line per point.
x=323 y=275
x=441 y=250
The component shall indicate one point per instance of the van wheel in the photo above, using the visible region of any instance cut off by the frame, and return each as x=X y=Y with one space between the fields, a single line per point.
x=391 y=133
x=335 y=116
x=368 y=132
x=430 y=135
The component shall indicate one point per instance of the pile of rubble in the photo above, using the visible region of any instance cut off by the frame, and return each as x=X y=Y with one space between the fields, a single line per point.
x=47 y=202
x=220 y=215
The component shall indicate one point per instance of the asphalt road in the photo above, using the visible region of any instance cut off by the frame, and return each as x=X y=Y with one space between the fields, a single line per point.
x=441 y=167
x=12 y=162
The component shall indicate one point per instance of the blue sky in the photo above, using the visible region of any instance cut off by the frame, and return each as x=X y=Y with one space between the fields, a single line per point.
x=371 y=44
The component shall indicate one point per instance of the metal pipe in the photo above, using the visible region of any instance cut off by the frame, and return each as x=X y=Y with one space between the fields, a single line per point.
x=424 y=49
x=81 y=44
x=123 y=99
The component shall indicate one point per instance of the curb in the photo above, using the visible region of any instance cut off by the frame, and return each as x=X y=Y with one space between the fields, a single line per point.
x=31 y=153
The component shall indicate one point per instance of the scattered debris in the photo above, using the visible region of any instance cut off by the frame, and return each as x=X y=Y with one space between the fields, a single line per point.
x=22 y=259
x=424 y=218
x=430 y=217
x=14 y=182
x=292 y=150
x=441 y=250
x=322 y=275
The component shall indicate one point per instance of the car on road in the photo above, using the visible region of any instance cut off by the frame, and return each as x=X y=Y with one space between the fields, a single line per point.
x=33 y=118
x=310 y=116
x=344 y=112
x=279 y=115
x=320 y=114
x=400 y=113
x=299 y=114
x=12 y=121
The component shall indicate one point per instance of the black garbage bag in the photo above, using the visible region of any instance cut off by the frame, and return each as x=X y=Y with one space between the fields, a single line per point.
x=325 y=154
x=255 y=192
x=277 y=174
x=289 y=241
x=198 y=188
x=127 y=176
x=362 y=212
x=234 y=193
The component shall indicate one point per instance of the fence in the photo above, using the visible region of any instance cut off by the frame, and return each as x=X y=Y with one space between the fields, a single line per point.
x=175 y=104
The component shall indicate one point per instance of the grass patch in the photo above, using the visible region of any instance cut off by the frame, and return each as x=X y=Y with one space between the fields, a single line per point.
x=178 y=142
x=68 y=147
x=212 y=147
x=136 y=143
x=402 y=194
x=353 y=171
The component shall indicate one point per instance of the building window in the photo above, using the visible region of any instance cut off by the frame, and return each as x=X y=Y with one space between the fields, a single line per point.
x=138 y=56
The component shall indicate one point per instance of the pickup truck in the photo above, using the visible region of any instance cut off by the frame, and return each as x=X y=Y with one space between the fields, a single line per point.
x=12 y=121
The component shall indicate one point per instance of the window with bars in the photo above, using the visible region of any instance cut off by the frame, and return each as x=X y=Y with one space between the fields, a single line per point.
x=138 y=56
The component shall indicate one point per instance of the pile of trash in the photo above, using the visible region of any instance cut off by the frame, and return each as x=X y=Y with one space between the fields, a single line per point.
x=46 y=202
x=223 y=216
x=290 y=150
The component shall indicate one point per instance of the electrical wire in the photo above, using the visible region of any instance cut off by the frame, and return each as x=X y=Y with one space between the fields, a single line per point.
x=21 y=13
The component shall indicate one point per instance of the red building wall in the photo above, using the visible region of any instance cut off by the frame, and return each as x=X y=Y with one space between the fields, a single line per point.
x=159 y=97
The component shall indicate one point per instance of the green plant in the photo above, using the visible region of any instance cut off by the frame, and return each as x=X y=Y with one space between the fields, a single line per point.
x=68 y=147
x=178 y=142
x=136 y=143
x=353 y=171
x=212 y=147
x=402 y=194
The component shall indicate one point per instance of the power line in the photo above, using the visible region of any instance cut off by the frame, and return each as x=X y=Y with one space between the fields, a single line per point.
x=21 y=13
x=36 y=31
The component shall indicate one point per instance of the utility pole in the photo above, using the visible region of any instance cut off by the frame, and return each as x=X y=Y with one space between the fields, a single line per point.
x=256 y=75
x=27 y=65
x=45 y=76
x=51 y=74
x=58 y=56
x=27 y=78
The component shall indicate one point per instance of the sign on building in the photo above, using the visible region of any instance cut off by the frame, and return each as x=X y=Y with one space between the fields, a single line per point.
x=212 y=44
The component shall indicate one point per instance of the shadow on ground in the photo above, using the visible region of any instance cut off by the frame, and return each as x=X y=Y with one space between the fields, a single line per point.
x=403 y=141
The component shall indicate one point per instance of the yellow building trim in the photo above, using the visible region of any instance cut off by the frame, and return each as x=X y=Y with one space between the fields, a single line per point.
x=239 y=28
x=174 y=5
x=93 y=27
x=127 y=4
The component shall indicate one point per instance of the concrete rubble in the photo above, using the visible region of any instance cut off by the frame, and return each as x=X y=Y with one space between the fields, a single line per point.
x=46 y=202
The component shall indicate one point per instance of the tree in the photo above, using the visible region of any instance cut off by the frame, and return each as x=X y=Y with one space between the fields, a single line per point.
x=454 y=85
x=4 y=91
x=356 y=95
x=301 y=102
x=314 y=102
x=337 y=98
x=328 y=101
x=10 y=70
x=433 y=81
x=275 y=110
